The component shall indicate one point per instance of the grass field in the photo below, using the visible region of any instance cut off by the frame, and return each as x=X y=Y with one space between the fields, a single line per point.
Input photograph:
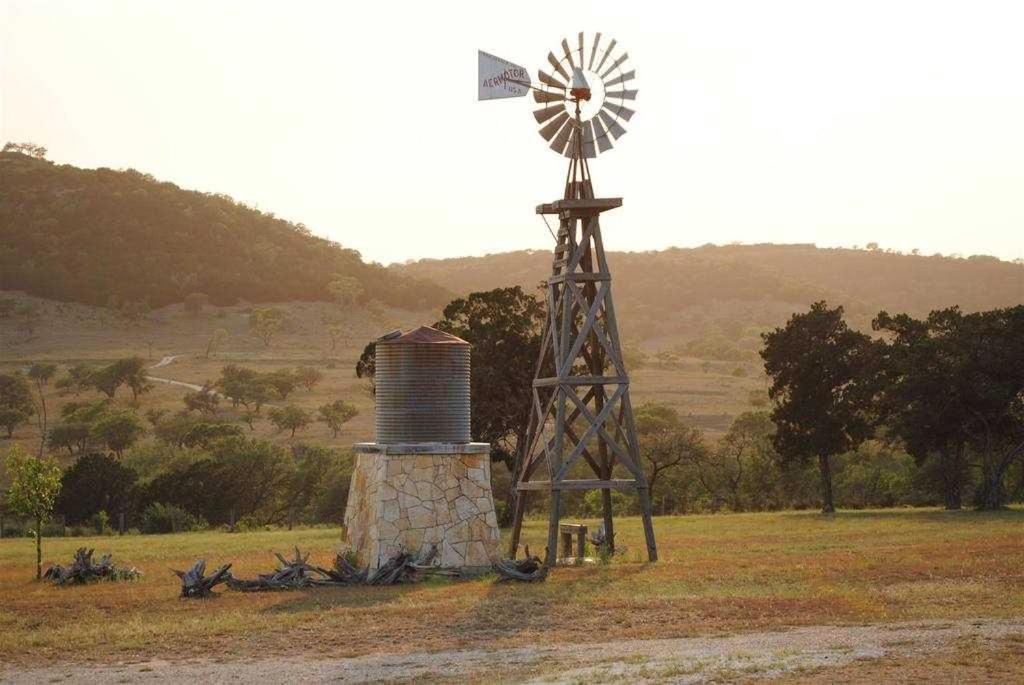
x=718 y=574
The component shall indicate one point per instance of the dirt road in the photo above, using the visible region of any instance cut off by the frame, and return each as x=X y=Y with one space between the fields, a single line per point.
x=811 y=653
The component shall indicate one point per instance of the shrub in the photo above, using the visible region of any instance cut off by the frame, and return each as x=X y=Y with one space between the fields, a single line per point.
x=167 y=518
x=101 y=522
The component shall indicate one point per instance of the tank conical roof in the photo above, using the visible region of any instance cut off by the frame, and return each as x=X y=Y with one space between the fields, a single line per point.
x=424 y=335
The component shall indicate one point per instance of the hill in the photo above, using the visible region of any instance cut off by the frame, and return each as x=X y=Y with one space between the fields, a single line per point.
x=93 y=236
x=735 y=291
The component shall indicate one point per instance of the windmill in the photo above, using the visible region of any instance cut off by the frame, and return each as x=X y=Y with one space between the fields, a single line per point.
x=581 y=414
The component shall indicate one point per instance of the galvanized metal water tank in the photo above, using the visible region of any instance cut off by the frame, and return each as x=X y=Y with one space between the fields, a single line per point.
x=422 y=387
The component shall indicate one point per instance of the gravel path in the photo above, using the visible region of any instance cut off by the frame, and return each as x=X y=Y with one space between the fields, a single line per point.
x=165 y=362
x=685 y=660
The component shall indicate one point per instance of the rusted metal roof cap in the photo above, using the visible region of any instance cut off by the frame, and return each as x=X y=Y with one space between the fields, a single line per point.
x=424 y=335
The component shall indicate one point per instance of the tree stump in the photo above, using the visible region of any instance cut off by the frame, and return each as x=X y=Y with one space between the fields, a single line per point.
x=195 y=584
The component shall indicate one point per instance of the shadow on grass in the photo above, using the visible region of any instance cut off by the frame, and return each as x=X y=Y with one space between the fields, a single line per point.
x=327 y=598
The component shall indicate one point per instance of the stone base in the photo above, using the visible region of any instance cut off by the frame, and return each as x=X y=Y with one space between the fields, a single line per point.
x=405 y=497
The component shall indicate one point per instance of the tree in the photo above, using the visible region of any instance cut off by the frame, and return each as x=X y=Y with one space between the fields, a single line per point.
x=118 y=431
x=914 y=403
x=74 y=432
x=107 y=380
x=289 y=417
x=95 y=482
x=952 y=388
x=504 y=327
x=76 y=379
x=195 y=302
x=133 y=372
x=32 y=150
x=205 y=434
x=815 y=363
x=265 y=323
x=666 y=442
x=366 y=366
x=735 y=458
x=32 y=493
x=308 y=376
x=243 y=386
x=41 y=373
x=336 y=414
x=15 y=401
x=336 y=332
x=282 y=381
x=204 y=400
x=216 y=341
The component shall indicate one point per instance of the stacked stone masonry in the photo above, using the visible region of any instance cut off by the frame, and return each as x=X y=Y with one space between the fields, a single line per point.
x=404 y=502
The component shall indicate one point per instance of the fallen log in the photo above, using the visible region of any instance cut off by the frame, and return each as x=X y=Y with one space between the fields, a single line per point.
x=529 y=569
x=195 y=584
x=82 y=570
x=343 y=573
x=404 y=568
x=298 y=573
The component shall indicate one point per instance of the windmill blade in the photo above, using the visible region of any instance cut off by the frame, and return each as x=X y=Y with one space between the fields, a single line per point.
x=593 y=50
x=581 y=49
x=628 y=76
x=615 y=64
x=571 y=148
x=604 y=142
x=622 y=94
x=613 y=125
x=550 y=80
x=544 y=96
x=624 y=113
x=549 y=130
x=611 y=46
x=558 y=144
x=588 y=140
x=568 y=53
x=557 y=66
x=542 y=115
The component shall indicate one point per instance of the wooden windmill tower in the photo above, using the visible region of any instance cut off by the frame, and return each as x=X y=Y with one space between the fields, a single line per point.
x=582 y=417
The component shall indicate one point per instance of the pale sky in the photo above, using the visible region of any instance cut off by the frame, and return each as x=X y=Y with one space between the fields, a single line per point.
x=825 y=122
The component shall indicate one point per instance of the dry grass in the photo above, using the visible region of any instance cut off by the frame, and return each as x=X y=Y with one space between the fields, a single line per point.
x=719 y=574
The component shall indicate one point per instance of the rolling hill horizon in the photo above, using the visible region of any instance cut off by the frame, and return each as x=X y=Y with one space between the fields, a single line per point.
x=96 y=236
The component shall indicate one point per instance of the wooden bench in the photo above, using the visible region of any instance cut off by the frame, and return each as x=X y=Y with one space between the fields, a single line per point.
x=567 y=531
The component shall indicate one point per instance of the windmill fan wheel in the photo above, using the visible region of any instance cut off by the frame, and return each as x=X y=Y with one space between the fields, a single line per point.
x=585 y=94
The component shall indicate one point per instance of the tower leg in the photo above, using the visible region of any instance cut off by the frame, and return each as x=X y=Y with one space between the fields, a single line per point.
x=552 y=552
x=517 y=523
x=609 y=520
x=645 y=510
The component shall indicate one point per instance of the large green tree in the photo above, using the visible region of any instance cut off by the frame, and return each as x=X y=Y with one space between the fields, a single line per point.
x=914 y=378
x=954 y=387
x=817 y=366
x=95 y=482
x=504 y=328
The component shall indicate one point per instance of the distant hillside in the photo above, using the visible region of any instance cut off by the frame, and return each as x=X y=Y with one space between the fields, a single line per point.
x=735 y=291
x=89 y=235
